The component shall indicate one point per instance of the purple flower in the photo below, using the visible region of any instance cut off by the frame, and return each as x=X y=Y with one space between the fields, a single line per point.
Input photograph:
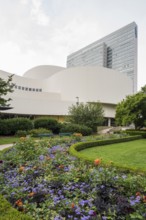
x=124 y=176
x=82 y=202
x=57 y=218
x=85 y=218
x=15 y=184
x=91 y=212
x=41 y=157
x=78 y=211
x=134 y=201
x=104 y=218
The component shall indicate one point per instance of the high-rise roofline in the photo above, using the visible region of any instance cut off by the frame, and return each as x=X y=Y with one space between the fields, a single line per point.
x=102 y=38
x=117 y=50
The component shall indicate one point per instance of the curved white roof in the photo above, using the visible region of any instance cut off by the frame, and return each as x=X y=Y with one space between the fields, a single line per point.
x=91 y=83
x=42 y=72
x=50 y=90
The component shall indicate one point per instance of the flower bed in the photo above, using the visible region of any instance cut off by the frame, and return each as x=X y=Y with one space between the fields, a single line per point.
x=45 y=182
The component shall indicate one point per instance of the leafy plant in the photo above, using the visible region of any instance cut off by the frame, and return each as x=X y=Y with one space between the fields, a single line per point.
x=88 y=114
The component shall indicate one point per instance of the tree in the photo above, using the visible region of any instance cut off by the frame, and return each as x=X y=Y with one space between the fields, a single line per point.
x=132 y=110
x=6 y=86
x=89 y=114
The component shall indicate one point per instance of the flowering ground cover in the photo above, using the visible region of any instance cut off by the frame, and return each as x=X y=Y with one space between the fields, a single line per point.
x=42 y=180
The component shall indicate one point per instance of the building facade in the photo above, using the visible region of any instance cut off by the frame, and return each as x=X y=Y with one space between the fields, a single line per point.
x=50 y=90
x=117 y=51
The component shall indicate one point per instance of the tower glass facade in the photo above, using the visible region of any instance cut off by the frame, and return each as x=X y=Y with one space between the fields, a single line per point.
x=117 y=50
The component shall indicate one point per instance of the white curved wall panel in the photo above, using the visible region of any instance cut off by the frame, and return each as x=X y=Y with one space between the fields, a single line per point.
x=50 y=90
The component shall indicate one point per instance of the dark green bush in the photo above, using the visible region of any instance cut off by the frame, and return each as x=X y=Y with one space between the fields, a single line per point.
x=21 y=133
x=11 y=126
x=48 y=123
x=136 y=132
x=36 y=132
x=4 y=128
x=75 y=128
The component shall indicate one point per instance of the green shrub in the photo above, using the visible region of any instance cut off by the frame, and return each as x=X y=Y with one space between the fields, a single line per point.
x=21 y=133
x=75 y=128
x=9 y=213
x=11 y=126
x=136 y=132
x=4 y=128
x=36 y=132
x=48 y=123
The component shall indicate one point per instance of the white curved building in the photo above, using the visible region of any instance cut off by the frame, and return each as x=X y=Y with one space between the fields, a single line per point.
x=50 y=90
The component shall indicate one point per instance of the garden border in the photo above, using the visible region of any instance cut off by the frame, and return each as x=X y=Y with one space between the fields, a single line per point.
x=76 y=148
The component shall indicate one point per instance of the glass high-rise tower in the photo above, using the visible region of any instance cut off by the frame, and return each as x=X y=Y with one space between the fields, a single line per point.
x=117 y=50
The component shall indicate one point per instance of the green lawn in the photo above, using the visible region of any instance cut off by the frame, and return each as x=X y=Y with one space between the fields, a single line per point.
x=130 y=154
x=12 y=139
x=8 y=140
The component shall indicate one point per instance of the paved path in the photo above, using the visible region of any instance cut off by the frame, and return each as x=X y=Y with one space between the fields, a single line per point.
x=106 y=131
x=5 y=146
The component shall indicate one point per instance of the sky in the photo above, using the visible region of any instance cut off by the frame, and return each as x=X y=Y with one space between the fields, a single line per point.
x=44 y=32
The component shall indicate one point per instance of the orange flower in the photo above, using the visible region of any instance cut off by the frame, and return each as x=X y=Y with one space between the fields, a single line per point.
x=77 y=135
x=144 y=199
x=22 y=168
x=48 y=158
x=61 y=166
x=31 y=194
x=138 y=194
x=72 y=205
x=19 y=202
x=97 y=161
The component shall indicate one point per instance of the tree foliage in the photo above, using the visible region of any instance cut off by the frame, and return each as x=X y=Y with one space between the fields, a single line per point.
x=89 y=114
x=132 y=110
x=6 y=86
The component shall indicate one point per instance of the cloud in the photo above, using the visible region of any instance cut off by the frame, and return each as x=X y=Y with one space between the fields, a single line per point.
x=24 y=2
x=37 y=13
x=36 y=32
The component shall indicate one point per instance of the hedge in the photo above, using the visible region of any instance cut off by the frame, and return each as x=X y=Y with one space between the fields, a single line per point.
x=48 y=123
x=136 y=132
x=11 y=126
x=74 y=149
x=7 y=212
x=76 y=128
